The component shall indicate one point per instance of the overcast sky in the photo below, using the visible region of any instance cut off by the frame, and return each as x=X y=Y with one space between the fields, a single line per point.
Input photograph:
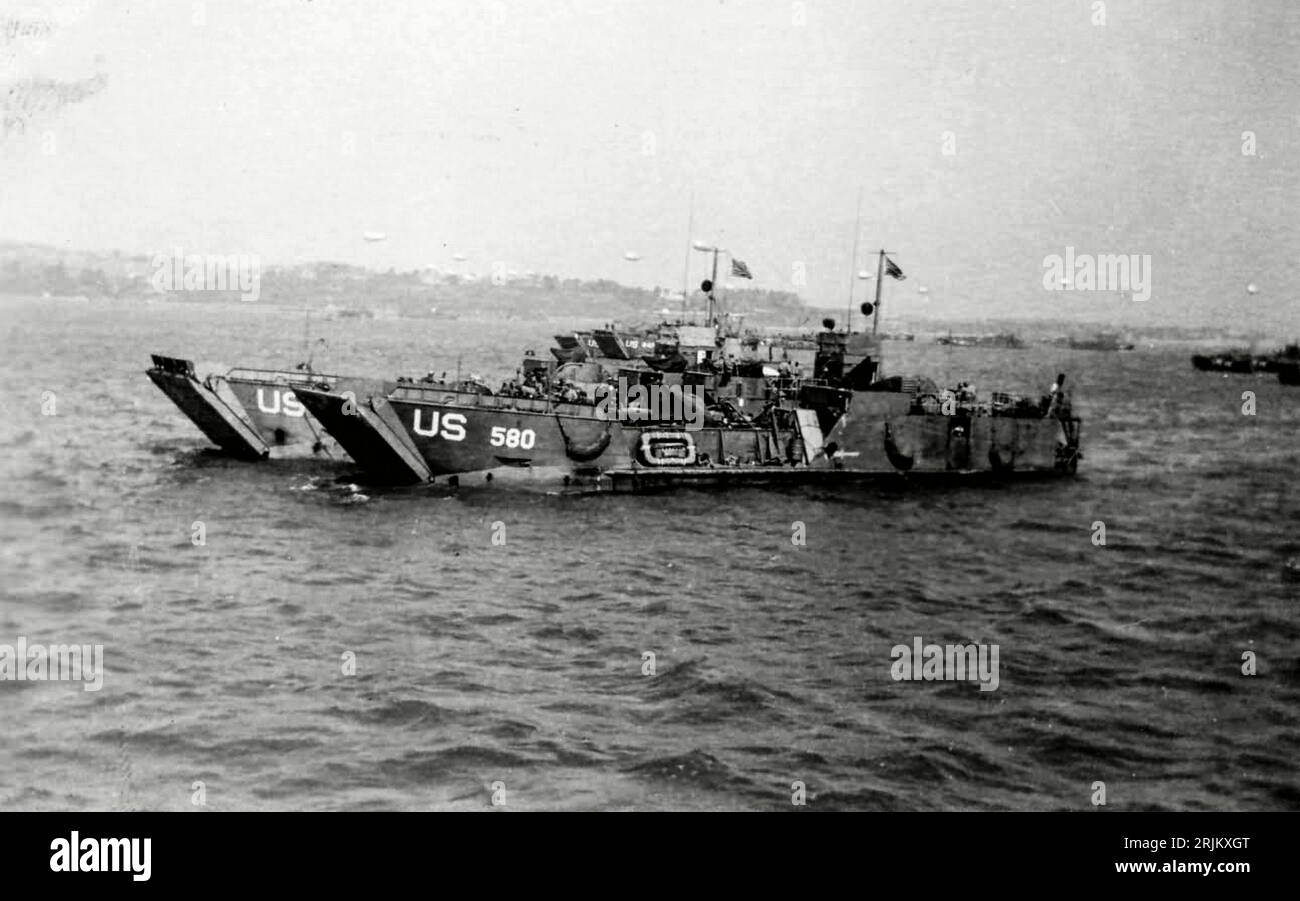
x=555 y=136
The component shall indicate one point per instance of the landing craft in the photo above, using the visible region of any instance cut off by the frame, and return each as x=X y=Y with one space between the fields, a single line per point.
x=374 y=236
x=765 y=421
x=631 y=256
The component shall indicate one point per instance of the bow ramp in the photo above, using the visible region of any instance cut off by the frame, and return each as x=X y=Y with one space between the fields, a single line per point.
x=210 y=405
x=369 y=429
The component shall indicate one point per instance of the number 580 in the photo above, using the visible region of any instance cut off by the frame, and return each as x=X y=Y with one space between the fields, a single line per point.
x=503 y=437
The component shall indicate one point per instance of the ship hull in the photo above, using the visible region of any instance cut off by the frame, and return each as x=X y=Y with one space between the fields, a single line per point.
x=511 y=441
x=568 y=440
x=1243 y=363
x=1237 y=364
x=880 y=434
x=455 y=437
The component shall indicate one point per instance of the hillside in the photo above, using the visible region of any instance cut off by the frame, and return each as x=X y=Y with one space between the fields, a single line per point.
x=355 y=290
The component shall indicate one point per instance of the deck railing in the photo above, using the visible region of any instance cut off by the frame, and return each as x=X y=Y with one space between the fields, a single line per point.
x=276 y=375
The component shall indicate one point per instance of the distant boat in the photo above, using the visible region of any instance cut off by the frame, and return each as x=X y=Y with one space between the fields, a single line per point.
x=631 y=256
x=1224 y=362
x=1243 y=361
x=374 y=236
x=1005 y=339
x=1100 y=341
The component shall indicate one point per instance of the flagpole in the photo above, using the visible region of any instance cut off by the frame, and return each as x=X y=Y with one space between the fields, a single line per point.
x=713 y=283
x=853 y=263
x=718 y=307
x=880 y=278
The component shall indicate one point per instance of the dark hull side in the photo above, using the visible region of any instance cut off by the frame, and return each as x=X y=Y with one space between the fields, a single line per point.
x=645 y=480
x=1221 y=364
x=368 y=429
x=457 y=438
x=410 y=436
x=877 y=434
x=1241 y=363
x=515 y=439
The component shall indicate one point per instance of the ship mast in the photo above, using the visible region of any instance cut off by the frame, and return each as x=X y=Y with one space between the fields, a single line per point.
x=710 y=285
x=853 y=265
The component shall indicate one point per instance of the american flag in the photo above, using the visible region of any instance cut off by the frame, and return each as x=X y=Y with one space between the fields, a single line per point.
x=740 y=270
x=892 y=270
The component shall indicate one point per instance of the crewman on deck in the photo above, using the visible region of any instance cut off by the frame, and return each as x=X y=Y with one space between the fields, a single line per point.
x=783 y=376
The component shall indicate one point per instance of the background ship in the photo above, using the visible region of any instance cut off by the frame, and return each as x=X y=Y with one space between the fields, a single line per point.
x=1108 y=341
x=1004 y=340
x=1244 y=361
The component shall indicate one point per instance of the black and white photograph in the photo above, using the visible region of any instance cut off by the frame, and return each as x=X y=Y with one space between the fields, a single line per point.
x=884 y=407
